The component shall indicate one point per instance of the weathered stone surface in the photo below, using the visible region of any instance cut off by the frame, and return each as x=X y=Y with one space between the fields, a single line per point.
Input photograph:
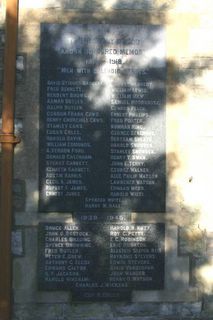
x=1 y=76
x=184 y=310
x=189 y=117
x=136 y=309
x=95 y=4
x=35 y=312
x=95 y=310
x=19 y=195
x=2 y=37
x=17 y=243
x=32 y=196
x=20 y=68
x=60 y=312
x=164 y=309
x=209 y=244
x=25 y=164
x=25 y=268
x=176 y=268
x=167 y=295
x=208 y=304
x=192 y=240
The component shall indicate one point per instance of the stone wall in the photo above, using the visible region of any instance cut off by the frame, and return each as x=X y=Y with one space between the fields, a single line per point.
x=188 y=289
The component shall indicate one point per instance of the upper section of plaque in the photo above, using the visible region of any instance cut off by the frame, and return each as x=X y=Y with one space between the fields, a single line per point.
x=142 y=45
x=102 y=118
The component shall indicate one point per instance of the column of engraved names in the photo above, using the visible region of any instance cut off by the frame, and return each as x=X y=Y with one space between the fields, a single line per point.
x=67 y=153
x=132 y=260
x=131 y=141
x=64 y=261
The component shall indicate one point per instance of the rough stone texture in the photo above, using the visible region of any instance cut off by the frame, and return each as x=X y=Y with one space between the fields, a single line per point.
x=210 y=243
x=24 y=272
x=176 y=268
x=62 y=311
x=34 y=312
x=20 y=68
x=192 y=240
x=189 y=162
x=164 y=309
x=19 y=195
x=32 y=196
x=17 y=243
x=208 y=304
x=103 y=311
x=92 y=5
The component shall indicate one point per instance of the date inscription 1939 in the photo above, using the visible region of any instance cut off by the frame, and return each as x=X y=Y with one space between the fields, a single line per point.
x=101 y=261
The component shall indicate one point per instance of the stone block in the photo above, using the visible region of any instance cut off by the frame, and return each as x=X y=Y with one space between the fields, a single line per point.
x=20 y=68
x=25 y=268
x=209 y=244
x=208 y=304
x=134 y=5
x=156 y=309
x=1 y=76
x=2 y=37
x=32 y=195
x=192 y=240
x=31 y=154
x=1 y=57
x=90 y=5
x=171 y=296
x=26 y=156
x=176 y=268
x=137 y=309
x=203 y=274
x=90 y=311
x=17 y=243
x=19 y=195
x=187 y=309
x=38 y=311
x=61 y=311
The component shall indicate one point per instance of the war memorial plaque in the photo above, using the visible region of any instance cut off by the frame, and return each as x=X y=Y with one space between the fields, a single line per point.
x=101 y=261
x=102 y=118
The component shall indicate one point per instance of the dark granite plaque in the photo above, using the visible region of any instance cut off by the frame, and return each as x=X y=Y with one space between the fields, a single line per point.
x=101 y=261
x=102 y=119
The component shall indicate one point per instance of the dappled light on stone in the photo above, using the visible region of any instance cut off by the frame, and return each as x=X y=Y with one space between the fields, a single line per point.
x=102 y=117
x=112 y=207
